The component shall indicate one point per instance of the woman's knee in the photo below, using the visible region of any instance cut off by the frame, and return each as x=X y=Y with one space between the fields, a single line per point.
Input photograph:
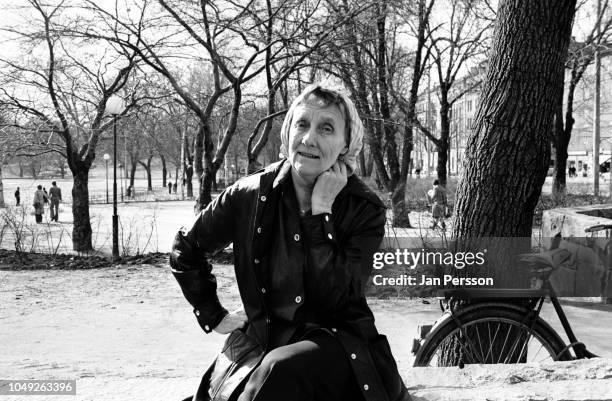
x=279 y=361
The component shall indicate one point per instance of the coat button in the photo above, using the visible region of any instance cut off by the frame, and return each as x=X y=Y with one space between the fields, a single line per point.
x=256 y=261
x=263 y=290
x=326 y=217
x=329 y=236
x=296 y=237
x=298 y=299
x=258 y=230
x=267 y=320
x=335 y=330
x=197 y=312
x=263 y=198
x=353 y=356
x=206 y=327
x=366 y=387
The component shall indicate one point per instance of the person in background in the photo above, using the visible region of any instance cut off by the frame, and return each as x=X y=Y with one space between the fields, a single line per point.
x=169 y=187
x=55 y=194
x=17 y=197
x=40 y=198
x=437 y=198
x=174 y=187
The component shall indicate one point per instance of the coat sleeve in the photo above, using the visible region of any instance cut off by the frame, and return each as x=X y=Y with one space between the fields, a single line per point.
x=338 y=268
x=191 y=251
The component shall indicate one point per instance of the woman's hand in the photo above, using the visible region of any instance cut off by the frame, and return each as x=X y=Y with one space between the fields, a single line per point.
x=327 y=187
x=232 y=321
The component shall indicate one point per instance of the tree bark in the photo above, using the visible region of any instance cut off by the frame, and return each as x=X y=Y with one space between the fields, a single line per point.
x=198 y=148
x=164 y=170
x=147 y=167
x=81 y=231
x=563 y=132
x=507 y=156
x=1 y=186
x=443 y=143
x=133 y=165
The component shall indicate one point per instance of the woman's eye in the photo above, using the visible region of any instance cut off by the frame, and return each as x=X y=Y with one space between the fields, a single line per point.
x=301 y=124
x=327 y=129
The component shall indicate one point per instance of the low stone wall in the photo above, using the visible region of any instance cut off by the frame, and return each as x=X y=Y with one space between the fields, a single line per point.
x=580 y=380
x=572 y=221
x=588 y=268
x=569 y=381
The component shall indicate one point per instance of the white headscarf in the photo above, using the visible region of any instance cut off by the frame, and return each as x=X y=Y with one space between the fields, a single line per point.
x=355 y=126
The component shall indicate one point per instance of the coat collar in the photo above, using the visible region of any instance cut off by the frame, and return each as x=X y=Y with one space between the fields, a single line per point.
x=277 y=173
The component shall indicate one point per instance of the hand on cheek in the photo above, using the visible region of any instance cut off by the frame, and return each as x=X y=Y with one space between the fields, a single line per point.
x=327 y=187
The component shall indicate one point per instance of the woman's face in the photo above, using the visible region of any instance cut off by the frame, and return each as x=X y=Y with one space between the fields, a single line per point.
x=316 y=138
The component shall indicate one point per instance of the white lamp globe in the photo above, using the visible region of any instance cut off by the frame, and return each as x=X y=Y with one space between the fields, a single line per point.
x=115 y=105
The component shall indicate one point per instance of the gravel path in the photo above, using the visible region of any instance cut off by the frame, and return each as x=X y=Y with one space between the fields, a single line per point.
x=126 y=332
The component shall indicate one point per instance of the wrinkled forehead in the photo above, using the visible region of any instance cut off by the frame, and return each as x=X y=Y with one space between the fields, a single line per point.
x=323 y=100
x=329 y=113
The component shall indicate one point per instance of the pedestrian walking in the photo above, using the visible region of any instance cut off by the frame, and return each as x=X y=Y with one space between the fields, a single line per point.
x=39 y=203
x=169 y=187
x=174 y=187
x=437 y=198
x=55 y=194
x=17 y=197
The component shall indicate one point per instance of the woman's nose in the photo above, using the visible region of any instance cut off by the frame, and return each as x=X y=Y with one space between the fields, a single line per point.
x=309 y=137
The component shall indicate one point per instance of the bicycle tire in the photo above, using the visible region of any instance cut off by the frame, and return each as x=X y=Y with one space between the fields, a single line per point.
x=507 y=321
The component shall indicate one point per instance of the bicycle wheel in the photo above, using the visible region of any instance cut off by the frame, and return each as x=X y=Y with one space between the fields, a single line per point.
x=490 y=335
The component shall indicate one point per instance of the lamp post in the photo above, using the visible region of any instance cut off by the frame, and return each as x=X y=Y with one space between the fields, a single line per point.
x=121 y=179
x=106 y=157
x=114 y=107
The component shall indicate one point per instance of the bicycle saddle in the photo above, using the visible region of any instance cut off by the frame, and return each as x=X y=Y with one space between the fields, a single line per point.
x=548 y=260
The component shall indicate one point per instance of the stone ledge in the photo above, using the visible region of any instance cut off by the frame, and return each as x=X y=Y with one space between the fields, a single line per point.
x=580 y=380
x=561 y=381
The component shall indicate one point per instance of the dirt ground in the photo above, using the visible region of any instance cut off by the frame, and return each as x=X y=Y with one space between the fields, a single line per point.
x=126 y=332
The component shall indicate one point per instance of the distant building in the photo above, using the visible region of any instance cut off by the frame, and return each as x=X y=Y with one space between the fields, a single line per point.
x=580 y=150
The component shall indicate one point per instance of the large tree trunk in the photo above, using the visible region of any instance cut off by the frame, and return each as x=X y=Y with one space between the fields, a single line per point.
x=81 y=230
x=508 y=154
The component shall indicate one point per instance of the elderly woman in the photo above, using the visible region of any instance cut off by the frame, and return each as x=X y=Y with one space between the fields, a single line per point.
x=303 y=232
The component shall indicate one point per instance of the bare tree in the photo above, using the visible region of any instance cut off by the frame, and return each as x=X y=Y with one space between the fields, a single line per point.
x=383 y=77
x=580 y=57
x=460 y=42
x=68 y=94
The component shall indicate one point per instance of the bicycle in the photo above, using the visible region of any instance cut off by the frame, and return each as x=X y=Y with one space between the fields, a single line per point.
x=501 y=325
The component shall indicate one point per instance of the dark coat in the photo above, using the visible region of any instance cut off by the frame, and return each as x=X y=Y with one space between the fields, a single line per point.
x=339 y=261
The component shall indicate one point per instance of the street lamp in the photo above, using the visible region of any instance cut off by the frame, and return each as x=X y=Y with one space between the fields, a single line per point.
x=115 y=106
x=120 y=179
x=106 y=157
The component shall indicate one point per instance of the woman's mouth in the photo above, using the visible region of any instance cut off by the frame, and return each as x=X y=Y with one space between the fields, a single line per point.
x=308 y=155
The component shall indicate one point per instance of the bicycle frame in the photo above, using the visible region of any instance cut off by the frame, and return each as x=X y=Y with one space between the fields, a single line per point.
x=500 y=298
